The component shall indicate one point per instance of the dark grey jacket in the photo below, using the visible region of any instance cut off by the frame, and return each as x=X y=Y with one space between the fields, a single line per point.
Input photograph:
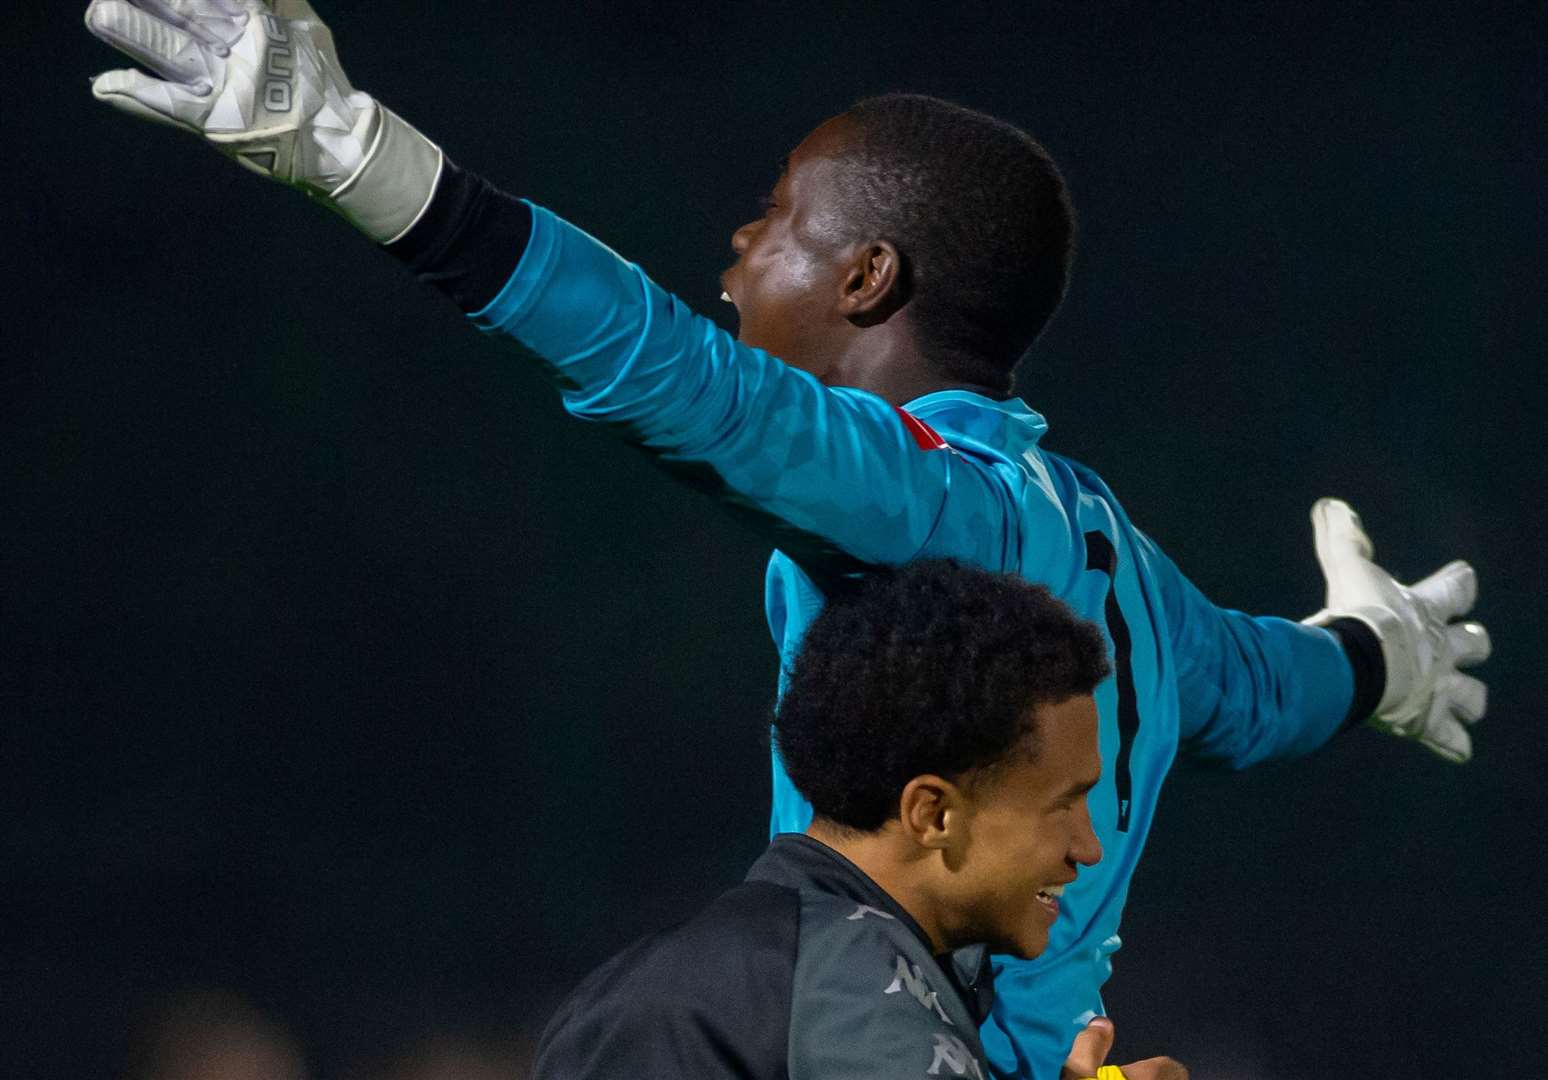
x=806 y=970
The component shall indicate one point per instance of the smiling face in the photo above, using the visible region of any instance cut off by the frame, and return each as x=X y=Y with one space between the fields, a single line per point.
x=793 y=262
x=1026 y=831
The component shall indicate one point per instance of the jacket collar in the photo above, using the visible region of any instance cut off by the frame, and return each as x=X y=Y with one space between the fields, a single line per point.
x=799 y=862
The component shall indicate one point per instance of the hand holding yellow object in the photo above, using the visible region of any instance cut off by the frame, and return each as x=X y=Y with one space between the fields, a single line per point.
x=1091 y=1048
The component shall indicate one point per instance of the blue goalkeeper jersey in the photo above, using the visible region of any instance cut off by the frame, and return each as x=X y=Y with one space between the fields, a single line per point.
x=842 y=480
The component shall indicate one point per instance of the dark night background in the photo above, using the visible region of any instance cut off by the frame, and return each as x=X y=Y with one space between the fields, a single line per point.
x=340 y=670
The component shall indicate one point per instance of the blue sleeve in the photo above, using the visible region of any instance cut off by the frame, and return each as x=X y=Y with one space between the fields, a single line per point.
x=841 y=465
x=1250 y=689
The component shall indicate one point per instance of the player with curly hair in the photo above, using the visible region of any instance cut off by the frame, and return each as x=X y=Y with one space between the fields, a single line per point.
x=940 y=720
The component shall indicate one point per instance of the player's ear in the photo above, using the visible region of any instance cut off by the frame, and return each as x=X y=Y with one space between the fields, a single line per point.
x=875 y=284
x=933 y=812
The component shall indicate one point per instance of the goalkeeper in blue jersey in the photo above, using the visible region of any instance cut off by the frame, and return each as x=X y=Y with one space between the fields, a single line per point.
x=910 y=254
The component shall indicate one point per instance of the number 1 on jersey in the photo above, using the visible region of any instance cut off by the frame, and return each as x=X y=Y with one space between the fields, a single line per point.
x=1101 y=555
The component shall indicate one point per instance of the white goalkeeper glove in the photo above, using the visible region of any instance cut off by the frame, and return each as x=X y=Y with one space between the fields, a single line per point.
x=1426 y=697
x=261 y=81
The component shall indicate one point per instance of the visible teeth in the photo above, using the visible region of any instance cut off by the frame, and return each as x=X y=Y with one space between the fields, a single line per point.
x=1053 y=891
x=726 y=297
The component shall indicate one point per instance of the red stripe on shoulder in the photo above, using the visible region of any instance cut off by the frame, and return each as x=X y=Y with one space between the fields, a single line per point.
x=924 y=435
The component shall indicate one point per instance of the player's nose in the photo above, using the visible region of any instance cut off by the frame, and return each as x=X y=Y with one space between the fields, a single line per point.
x=741 y=240
x=1085 y=848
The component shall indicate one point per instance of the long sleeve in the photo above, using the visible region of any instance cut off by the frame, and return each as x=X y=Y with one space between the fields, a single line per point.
x=1251 y=689
x=838 y=465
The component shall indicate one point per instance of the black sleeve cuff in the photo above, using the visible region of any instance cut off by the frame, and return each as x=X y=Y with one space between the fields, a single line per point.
x=1370 y=671
x=468 y=241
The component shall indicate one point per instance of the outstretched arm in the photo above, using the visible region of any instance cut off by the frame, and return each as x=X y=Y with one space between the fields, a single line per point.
x=835 y=473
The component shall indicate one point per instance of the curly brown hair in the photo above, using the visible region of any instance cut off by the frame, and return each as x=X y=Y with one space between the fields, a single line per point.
x=934 y=667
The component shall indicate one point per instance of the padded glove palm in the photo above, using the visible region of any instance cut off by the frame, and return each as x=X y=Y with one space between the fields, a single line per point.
x=262 y=83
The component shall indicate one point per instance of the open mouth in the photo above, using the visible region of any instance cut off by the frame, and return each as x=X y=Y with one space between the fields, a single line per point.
x=1049 y=898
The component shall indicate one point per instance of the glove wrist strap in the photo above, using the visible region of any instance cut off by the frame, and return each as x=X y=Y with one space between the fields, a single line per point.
x=395 y=182
x=1389 y=629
